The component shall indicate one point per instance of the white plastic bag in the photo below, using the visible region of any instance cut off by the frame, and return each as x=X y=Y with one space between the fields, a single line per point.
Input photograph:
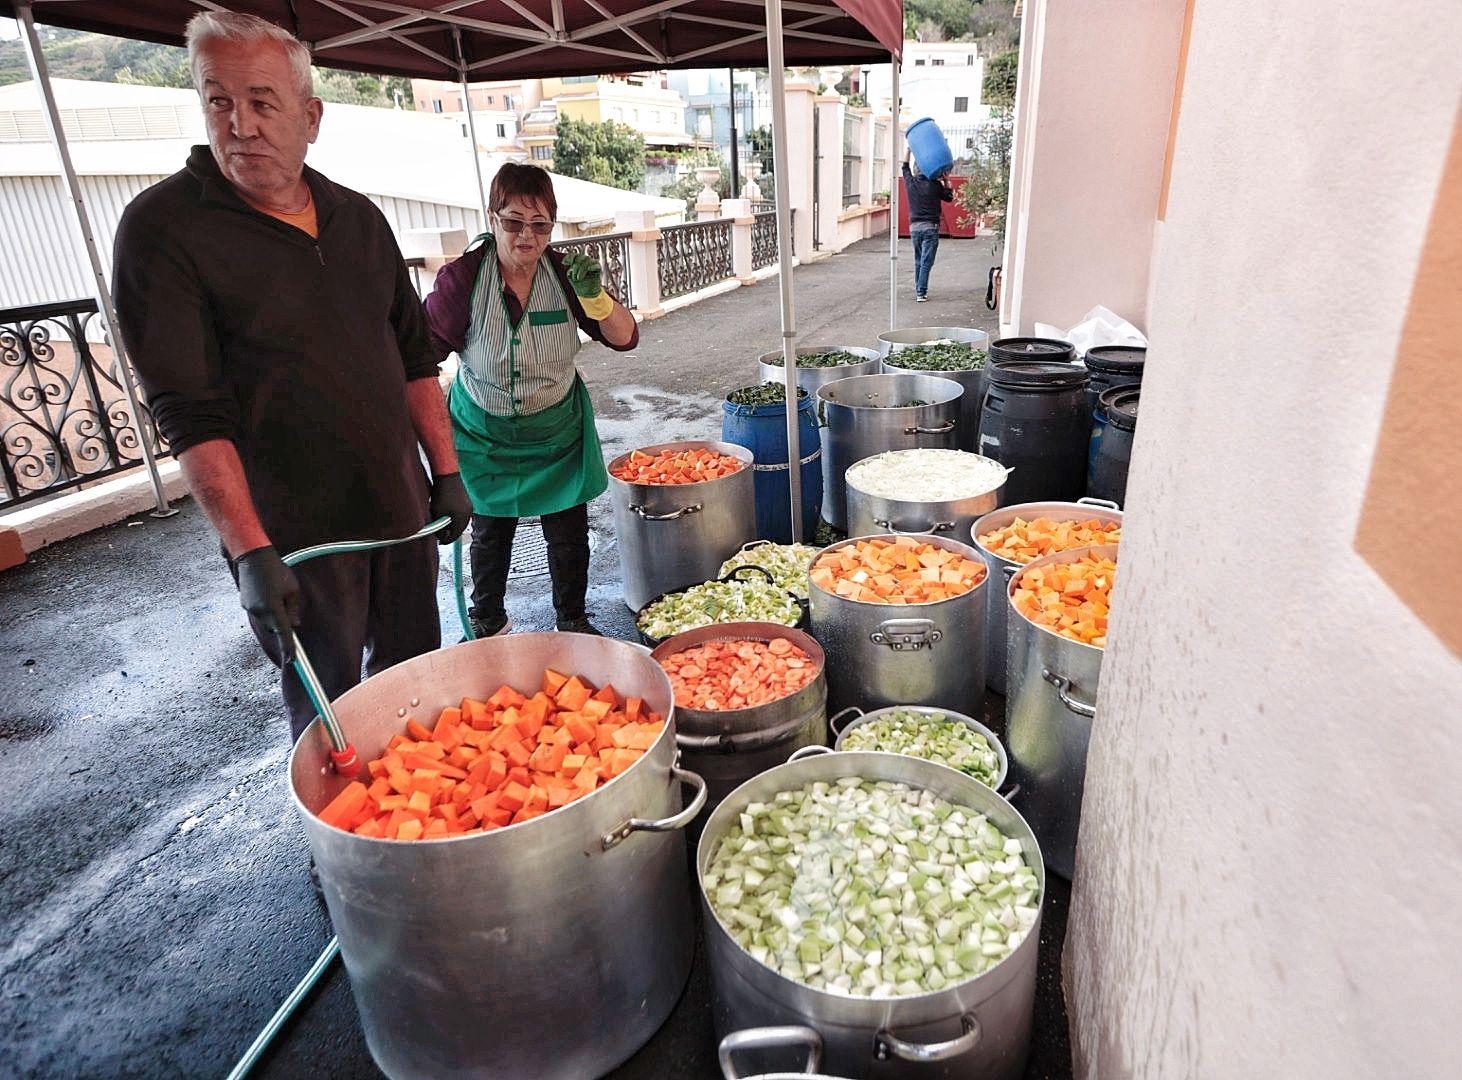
x=1099 y=326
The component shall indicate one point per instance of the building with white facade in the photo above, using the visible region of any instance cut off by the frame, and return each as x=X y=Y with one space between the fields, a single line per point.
x=941 y=80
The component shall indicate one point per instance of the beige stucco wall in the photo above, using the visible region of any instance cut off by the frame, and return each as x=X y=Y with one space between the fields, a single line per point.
x=1095 y=97
x=1269 y=879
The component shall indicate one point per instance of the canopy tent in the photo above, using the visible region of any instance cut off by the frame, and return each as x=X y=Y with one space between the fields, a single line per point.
x=478 y=40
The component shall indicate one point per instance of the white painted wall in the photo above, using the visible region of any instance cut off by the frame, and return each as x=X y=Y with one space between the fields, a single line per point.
x=1097 y=80
x=1270 y=869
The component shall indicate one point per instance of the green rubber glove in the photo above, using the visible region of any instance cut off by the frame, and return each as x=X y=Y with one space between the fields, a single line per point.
x=585 y=275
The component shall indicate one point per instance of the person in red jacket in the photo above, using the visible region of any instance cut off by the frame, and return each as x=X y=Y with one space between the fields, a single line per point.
x=925 y=197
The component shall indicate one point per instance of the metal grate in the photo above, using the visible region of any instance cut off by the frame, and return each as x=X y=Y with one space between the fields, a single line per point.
x=530 y=550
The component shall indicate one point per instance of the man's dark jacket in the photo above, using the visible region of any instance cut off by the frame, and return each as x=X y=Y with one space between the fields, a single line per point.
x=924 y=197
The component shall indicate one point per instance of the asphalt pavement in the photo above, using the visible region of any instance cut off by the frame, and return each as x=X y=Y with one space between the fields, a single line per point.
x=156 y=908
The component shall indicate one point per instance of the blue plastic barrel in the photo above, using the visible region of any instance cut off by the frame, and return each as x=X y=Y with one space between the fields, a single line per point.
x=762 y=429
x=930 y=148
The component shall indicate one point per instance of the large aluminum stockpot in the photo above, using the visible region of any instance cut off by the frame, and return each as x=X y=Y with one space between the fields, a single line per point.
x=851 y=718
x=674 y=535
x=727 y=747
x=769 y=366
x=975 y=382
x=870 y=513
x=996 y=635
x=868 y=414
x=903 y=654
x=437 y=935
x=980 y=1027
x=1048 y=718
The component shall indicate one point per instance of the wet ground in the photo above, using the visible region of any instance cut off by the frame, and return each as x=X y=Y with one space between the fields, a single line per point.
x=156 y=910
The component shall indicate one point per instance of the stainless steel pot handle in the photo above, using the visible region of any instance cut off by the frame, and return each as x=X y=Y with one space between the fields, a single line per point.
x=739 y=743
x=1063 y=690
x=769 y=1038
x=1087 y=500
x=670 y=824
x=936 y=527
x=943 y=429
x=810 y=751
x=886 y=1046
x=636 y=508
x=906 y=635
x=832 y=721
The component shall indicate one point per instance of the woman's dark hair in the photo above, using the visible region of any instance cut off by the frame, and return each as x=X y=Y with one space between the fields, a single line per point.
x=514 y=181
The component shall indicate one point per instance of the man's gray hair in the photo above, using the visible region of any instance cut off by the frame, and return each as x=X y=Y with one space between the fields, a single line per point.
x=242 y=29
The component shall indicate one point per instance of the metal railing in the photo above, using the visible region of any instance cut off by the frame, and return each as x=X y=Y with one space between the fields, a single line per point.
x=612 y=251
x=764 y=238
x=693 y=256
x=64 y=419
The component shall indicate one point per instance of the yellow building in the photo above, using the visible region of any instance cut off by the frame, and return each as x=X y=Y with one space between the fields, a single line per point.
x=640 y=101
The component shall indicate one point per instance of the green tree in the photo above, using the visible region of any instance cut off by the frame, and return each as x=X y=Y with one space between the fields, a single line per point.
x=761 y=147
x=1000 y=75
x=688 y=187
x=949 y=19
x=606 y=153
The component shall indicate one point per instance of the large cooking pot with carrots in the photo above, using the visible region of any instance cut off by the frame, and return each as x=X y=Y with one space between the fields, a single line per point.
x=685 y=508
x=1055 y=666
x=481 y=953
x=903 y=966
x=895 y=629
x=748 y=695
x=1064 y=525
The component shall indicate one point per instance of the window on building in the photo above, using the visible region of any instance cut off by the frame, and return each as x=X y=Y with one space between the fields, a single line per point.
x=507 y=101
x=436 y=105
x=618 y=113
x=961 y=104
x=937 y=62
x=969 y=60
x=636 y=114
x=543 y=153
x=491 y=99
x=502 y=131
x=919 y=62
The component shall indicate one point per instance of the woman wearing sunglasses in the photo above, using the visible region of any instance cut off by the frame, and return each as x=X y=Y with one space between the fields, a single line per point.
x=511 y=310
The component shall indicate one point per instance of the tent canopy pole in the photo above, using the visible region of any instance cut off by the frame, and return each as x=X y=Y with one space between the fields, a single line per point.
x=471 y=126
x=140 y=420
x=776 y=63
x=895 y=174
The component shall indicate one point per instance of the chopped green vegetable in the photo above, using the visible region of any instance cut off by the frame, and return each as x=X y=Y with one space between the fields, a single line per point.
x=832 y=358
x=718 y=602
x=939 y=356
x=871 y=888
x=787 y=563
x=932 y=736
x=768 y=393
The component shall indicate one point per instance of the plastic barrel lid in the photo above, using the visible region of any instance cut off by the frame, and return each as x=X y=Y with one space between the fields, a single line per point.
x=1120 y=405
x=1117 y=359
x=1032 y=348
x=1038 y=375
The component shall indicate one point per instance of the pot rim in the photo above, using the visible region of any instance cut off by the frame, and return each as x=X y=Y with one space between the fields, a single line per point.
x=939 y=541
x=1038 y=509
x=754 y=631
x=735 y=450
x=848 y=479
x=1055 y=558
x=952 y=398
x=865 y=353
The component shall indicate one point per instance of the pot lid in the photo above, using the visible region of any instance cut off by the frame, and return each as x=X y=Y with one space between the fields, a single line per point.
x=1120 y=405
x=1031 y=348
x=1038 y=375
x=1117 y=359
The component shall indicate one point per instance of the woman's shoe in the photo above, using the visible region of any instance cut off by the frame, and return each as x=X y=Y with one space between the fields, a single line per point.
x=491 y=626
x=579 y=625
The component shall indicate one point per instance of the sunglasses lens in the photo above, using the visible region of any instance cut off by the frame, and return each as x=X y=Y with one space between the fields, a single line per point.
x=517 y=225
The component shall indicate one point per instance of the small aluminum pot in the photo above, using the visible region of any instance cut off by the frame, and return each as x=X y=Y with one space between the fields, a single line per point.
x=980 y=1027
x=769 y=366
x=865 y=415
x=853 y=717
x=996 y=635
x=674 y=535
x=1048 y=718
x=727 y=747
x=869 y=513
x=895 y=654
x=739 y=573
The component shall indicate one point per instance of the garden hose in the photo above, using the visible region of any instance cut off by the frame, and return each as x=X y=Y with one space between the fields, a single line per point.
x=341 y=751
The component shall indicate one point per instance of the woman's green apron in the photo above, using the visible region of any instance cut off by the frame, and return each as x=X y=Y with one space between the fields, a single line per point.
x=516 y=463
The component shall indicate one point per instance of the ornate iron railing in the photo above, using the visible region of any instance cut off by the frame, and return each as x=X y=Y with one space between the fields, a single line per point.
x=764 y=238
x=693 y=256
x=63 y=410
x=612 y=251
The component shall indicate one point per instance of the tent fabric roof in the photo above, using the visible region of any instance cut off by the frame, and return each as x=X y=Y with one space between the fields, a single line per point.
x=523 y=38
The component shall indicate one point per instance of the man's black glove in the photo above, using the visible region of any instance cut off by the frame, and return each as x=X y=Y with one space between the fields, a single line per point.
x=449 y=499
x=270 y=592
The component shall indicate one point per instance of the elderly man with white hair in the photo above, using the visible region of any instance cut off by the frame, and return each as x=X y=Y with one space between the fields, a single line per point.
x=286 y=358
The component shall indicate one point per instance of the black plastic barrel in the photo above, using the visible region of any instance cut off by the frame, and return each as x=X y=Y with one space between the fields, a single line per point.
x=1032 y=348
x=1112 y=365
x=1111 y=444
x=1034 y=423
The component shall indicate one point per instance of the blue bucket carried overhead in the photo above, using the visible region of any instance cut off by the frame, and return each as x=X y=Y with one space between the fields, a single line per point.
x=930 y=148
